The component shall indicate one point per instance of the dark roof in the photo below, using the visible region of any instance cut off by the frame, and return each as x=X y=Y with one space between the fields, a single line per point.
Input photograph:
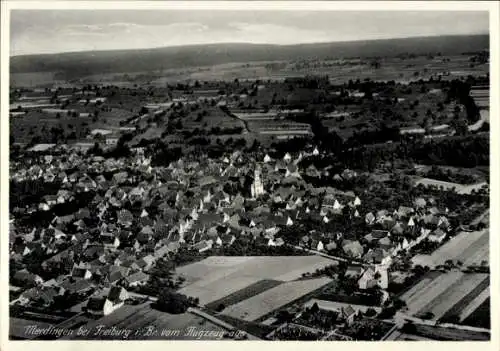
x=379 y=234
x=78 y=286
x=96 y=303
x=348 y=311
x=107 y=238
x=114 y=294
x=78 y=272
x=137 y=277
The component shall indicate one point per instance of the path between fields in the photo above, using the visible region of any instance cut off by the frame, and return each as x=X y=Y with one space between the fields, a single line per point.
x=141 y=296
x=402 y=316
x=335 y=258
x=245 y=123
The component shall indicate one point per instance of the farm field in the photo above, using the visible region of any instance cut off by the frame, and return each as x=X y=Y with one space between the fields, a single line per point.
x=217 y=276
x=481 y=316
x=32 y=79
x=445 y=295
x=469 y=247
x=467 y=189
x=435 y=333
x=475 y=304
x=459 y=188
x=338 y=71
x=214 y=117
x=478 y=173
x=421 y=294
x=439 y=184
x=245 y=293
x=41 y=124
x=454 y=298
x=264 y=303
x=429 y=333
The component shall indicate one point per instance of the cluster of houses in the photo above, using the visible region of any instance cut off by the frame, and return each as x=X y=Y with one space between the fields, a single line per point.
x=136 y=214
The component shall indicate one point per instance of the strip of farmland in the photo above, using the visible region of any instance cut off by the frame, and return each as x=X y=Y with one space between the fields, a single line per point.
x=449 y=299
x=437 y=333
x=440 y=183
x=272 y=299
x=417 y=288
x=481 y=316
x=436 y=287
x=245 y=293
x=469 y=188
x=211 y=291
x=216 y=277
x=466 y=246
x=477 y=252
x=474 y=304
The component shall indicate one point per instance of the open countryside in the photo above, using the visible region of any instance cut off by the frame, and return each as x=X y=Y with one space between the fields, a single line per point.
x=333 y=191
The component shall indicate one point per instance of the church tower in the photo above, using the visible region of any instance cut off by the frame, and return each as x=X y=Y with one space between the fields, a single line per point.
x=257 y=188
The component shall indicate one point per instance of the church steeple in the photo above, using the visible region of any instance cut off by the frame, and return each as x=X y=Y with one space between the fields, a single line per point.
x=257 y=187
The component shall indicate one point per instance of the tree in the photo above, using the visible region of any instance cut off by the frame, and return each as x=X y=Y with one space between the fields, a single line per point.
x=398 y=303
x=220 y=308
x=175 y=303
x=95 y=150
x=427 y=315
x=314 y=308
x=387 y=312
x=409 y=328
x=370 y=312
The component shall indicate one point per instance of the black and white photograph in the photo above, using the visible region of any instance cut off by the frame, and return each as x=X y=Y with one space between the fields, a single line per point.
x=254 y=174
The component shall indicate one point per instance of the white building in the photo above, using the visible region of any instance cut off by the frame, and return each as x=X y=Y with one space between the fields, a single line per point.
x=257 y=187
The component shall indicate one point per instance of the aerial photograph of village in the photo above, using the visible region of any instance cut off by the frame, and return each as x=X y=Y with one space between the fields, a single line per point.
x=251 y=175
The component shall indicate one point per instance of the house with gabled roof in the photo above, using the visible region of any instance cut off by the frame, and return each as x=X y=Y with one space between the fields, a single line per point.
x=41 y=295
x=125 y=218
x=109 y=241
x=354 y=271
x=348 y=313
x=113 y=274
x=137 y=279
x=27 y=278
x=370 y=218
x=437 y=235
x=376 y=255
x=203 y=245
x=443 y=223
x=79 y=286
x=420 y=202
x=81 y=273
x=103 y=306
x=352 y=248
x=376 y=235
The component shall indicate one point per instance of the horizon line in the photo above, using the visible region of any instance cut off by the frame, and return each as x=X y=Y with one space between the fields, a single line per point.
x=249 y=43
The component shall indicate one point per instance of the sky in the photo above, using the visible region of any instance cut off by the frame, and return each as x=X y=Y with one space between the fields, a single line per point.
x=55 y=31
